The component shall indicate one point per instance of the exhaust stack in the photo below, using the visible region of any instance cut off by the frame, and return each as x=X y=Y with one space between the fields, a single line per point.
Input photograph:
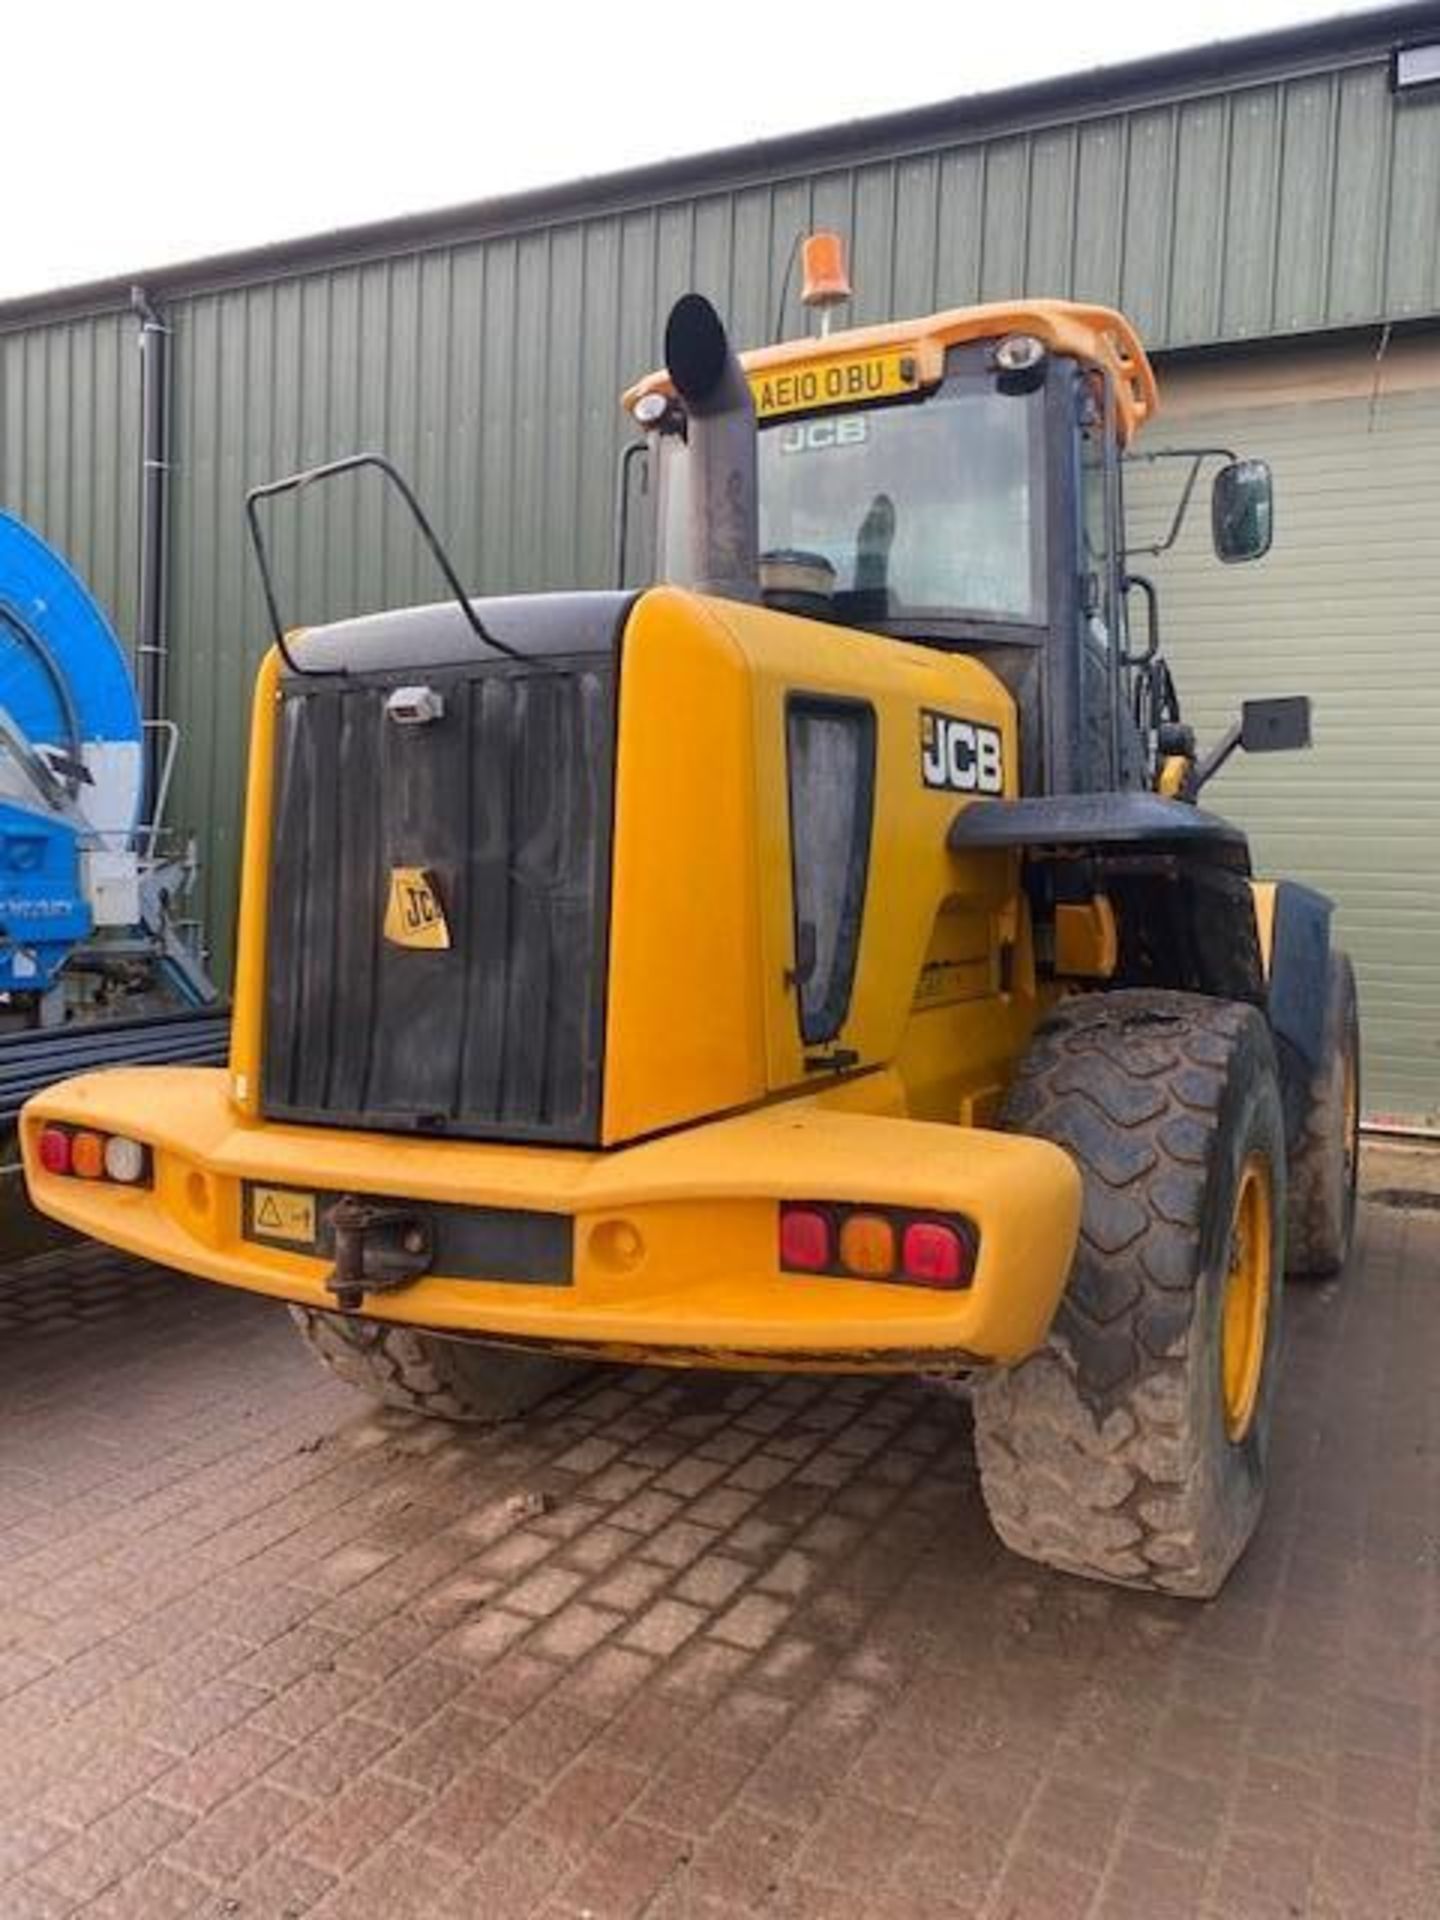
x=724 y=521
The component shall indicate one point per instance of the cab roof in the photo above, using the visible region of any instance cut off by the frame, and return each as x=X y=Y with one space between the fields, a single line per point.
x=1094 y=336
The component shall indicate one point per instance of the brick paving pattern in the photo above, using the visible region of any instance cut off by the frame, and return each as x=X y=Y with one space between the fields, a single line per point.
x=684 y=1647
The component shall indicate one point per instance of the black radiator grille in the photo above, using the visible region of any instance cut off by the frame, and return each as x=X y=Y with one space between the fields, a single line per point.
x=506 y=801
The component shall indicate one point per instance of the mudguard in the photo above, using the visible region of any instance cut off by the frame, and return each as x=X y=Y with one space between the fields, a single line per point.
x=1300 y=969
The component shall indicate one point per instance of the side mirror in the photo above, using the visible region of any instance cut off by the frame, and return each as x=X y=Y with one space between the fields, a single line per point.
x=1242 y=511
x=1275 y=726
x=1264 y=726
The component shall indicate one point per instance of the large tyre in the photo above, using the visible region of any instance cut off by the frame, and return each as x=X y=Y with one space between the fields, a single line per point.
x=1326 y=1159
x=427 y=1373
x=1132 y=1446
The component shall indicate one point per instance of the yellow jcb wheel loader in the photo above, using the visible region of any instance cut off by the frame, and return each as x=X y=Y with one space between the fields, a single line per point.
x=814 y=960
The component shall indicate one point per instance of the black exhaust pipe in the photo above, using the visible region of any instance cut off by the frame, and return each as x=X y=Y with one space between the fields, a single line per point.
x=720 y=451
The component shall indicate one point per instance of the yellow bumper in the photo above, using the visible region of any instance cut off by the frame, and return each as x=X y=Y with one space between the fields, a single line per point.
x=675 y=1240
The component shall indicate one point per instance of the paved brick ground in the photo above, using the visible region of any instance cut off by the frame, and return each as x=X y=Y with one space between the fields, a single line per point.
x=702 y=1648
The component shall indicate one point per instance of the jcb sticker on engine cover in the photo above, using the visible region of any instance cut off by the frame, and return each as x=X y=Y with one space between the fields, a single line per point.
x=414 y=916
x=964 y=756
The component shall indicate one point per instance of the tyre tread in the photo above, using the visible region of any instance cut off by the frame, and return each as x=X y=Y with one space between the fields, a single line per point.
x=427 y=1373
x=1321 y=1214
x=1084 y=1456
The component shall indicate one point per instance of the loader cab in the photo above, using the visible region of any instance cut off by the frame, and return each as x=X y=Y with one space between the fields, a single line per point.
x=955 y=483
x=958 y=482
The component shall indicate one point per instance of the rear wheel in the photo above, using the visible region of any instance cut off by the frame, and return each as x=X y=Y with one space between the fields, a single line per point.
x=1132 y=1446
x=1326 y=1161
x=428 y=1373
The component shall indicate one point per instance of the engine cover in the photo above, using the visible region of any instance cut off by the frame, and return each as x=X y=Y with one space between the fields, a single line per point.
x=439 y=882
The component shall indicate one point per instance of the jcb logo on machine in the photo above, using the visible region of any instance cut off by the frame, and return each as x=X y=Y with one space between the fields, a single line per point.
x=964 y=756
x=817 y=436
x=414 y=916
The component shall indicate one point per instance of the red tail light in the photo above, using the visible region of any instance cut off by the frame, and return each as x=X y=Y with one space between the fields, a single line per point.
x=53 y=1148
x=935 y=1254
x=805 y=1240
x=896 y=1246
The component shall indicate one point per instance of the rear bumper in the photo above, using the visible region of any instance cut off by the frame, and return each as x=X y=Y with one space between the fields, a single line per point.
x=693 y=1279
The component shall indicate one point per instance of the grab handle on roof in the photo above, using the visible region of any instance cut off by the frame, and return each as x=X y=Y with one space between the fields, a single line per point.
x=351 y=463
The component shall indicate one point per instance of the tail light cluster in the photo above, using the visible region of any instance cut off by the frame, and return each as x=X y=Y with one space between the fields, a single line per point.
x=899 y=1244
x=84 y=1154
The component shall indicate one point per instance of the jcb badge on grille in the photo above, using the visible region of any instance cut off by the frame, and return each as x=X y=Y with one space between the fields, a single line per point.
x=414 y=915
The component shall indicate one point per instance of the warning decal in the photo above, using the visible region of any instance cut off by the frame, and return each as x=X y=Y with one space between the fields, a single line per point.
x=280 y=1213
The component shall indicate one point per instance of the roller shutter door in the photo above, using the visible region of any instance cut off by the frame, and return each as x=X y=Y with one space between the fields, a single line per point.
x=1345 y=608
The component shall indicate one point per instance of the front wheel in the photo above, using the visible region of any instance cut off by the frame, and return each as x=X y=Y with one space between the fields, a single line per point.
x=1132 y=1446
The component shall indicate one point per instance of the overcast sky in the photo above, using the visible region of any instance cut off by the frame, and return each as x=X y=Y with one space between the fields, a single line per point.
x=141 y=134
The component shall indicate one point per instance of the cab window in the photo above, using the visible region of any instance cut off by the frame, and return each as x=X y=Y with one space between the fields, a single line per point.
x=931 y=507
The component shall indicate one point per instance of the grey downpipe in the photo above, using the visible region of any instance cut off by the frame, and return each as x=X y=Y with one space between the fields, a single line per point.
x=724 y=517
x=153 y=623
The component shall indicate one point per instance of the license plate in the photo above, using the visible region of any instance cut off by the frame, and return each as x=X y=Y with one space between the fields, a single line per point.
x=849 y=380
x=282 y=1213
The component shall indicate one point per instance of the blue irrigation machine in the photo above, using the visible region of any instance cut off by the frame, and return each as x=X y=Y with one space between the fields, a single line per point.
x=98 y=963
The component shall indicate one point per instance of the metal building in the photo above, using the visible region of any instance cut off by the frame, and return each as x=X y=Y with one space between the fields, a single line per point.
x=1267 y=212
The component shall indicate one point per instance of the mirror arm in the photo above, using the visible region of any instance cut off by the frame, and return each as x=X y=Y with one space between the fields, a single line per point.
x=1197 y=456
x=1207 y=768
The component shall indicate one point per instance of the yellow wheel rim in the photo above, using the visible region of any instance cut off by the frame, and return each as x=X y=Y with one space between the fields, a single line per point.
x=1246 y=1312
x=1352 y=1117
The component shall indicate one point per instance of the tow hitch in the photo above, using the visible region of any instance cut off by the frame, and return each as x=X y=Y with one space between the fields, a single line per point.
x=377 y=1249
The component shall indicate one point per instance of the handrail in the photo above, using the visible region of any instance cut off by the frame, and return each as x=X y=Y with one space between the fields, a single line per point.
x=351 y=463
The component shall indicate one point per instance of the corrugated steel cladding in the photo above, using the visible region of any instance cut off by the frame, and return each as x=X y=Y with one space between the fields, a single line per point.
x=69 y=427
x=488 y=367
x=1343 y=609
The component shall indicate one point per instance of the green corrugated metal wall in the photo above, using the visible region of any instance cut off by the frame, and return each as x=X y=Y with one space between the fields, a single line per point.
x=489 y=367
x=1344 y=609
x=69 y=420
